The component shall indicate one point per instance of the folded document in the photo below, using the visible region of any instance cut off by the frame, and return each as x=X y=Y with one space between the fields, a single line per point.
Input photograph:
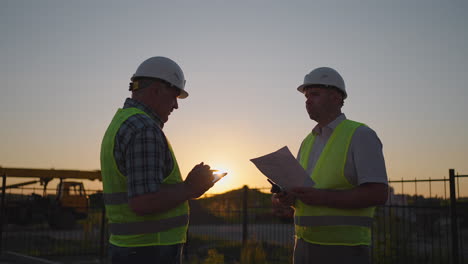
x=283 y=169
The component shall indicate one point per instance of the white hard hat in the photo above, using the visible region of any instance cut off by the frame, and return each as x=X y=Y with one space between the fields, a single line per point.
x=164 y=69
x=324 y=76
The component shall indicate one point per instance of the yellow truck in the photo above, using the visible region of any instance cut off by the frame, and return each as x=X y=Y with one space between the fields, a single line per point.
x=61 y=210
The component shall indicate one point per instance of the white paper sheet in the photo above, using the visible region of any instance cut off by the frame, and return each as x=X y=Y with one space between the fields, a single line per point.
x=282 y=168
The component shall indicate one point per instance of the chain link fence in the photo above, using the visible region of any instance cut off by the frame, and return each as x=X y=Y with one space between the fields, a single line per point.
x=240 y=226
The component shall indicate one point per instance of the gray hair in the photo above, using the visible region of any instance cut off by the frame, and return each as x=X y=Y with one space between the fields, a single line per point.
x=141 y=83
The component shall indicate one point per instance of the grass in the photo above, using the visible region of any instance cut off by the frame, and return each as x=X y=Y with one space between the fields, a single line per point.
x=203 y=250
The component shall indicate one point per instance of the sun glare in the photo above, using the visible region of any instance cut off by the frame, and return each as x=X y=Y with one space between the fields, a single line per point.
x=225 y=183
x=218 y=170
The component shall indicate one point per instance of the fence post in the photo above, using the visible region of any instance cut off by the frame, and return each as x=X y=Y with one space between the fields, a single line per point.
x=244 y=215
x=453 y=216
x=2 y=211
x=103 y=227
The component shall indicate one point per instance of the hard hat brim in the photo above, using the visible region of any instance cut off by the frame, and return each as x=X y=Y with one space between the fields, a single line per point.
x=301 y=89
x=183 y=94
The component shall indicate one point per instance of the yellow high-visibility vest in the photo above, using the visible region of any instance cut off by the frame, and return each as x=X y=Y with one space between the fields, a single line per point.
x=325 y=225
x=126 y=228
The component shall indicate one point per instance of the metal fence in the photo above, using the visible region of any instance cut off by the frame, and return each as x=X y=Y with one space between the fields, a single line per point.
x=413 y=228
x=422 y=223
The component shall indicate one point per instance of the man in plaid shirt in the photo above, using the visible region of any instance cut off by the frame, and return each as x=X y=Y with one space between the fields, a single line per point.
x=144 y=194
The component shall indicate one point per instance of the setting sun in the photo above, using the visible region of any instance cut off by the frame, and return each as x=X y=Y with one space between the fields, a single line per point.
x=225 y=183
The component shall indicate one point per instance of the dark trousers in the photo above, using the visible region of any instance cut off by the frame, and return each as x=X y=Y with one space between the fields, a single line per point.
x=308 y=253
x=171 y=254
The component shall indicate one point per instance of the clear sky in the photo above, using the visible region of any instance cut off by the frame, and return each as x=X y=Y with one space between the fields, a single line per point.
x=65 y=68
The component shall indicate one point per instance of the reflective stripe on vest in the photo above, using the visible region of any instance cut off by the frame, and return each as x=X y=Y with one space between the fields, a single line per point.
x=332 y=220
x=136 y=228
x=155 y=226
x=326 y=225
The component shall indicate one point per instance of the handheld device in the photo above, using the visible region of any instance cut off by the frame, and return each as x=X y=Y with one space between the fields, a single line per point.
x=218 y=176
x=275 y=188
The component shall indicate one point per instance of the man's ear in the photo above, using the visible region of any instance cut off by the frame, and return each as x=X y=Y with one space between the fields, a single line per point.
x=157 y=88
x=337 y=96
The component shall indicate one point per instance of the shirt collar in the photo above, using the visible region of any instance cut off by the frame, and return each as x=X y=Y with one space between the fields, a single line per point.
x=330 y=127
x=129 y=103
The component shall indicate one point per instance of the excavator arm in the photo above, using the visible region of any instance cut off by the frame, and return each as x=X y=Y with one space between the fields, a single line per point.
x=51 y=173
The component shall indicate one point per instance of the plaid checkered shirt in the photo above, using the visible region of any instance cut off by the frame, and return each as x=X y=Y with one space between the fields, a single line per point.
x=141 y=151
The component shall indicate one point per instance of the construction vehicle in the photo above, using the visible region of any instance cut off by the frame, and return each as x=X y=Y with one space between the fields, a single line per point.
x=61 y=210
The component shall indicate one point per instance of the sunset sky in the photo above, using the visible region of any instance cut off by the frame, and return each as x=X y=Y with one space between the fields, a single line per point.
x=65 y=68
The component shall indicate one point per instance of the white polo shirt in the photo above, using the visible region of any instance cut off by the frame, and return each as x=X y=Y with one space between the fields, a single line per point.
x=365 y=162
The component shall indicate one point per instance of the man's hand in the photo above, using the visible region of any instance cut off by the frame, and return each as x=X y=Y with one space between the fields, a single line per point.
x=283 y=199
x=199 y=180
x=282 y=204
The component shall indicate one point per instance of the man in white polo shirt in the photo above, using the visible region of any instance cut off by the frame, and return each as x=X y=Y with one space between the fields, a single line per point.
x=344 y=158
